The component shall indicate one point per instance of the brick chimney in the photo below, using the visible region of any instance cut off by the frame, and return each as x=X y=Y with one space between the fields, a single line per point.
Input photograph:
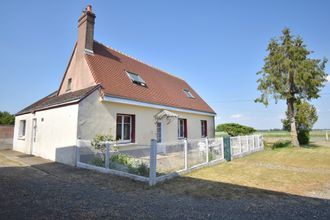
x=86 y=31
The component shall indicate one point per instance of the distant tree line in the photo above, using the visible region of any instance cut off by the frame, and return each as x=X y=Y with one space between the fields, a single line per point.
x=234 y=129
x=6 y=118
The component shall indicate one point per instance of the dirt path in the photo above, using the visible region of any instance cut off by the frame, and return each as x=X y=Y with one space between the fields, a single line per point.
x=33 y=188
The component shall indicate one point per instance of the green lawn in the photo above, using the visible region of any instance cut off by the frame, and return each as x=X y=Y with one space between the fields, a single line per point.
x=317 y=137
x=303 y=171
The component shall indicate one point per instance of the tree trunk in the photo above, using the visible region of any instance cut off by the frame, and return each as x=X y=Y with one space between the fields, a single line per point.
x=292 y=114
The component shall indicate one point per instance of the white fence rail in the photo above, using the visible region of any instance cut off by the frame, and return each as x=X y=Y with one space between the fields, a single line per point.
x=160 y=161
x=243 y=145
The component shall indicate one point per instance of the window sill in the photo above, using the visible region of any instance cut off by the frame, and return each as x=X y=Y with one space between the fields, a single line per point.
x=21 y=138
x=125 y=144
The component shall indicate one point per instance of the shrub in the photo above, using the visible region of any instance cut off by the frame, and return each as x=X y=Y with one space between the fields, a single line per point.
x=133 y=166
x=303 y=137
x=123 y=159
x=98 y=162
x=143 y=169
x=281 y=144
x=234 y=129
x=211 y=155
x=98 y=144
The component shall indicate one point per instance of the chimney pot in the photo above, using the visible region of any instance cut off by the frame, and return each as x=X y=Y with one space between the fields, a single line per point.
x=89 y=8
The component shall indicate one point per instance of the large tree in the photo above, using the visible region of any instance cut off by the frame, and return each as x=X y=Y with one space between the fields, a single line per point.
x=290 y=74
x=306 y=116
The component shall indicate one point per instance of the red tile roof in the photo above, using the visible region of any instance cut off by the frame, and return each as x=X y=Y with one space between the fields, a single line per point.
x=108 y=67
x=53 y=100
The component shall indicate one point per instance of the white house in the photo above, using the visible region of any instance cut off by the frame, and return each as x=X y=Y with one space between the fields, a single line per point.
x=104 y=91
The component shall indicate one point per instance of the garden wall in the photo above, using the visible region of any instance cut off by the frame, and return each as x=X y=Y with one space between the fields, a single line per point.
x=6 y=136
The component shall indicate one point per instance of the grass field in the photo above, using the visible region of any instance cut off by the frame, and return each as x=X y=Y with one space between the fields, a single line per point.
x=303 y=171
x=318 y=137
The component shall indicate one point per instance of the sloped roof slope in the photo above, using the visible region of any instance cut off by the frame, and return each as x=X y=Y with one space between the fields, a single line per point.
x=53 y=100
x=109 y=67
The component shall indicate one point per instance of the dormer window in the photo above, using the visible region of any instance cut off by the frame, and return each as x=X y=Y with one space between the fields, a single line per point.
x=188 y=94
x=69 y=85
x=136 y=78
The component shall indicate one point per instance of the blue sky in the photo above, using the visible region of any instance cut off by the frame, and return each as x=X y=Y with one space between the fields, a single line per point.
x=216 y=46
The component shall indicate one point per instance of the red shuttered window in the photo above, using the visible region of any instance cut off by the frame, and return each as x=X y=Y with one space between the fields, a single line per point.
x=204 y=128
x=182 y=128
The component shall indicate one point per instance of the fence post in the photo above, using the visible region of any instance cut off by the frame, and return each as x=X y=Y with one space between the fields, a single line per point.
x=153 y=162
x=240 y=143
x=326 y=136
x=222 y=149
x=207 y=149
x=78 y=152
x=107 y=154
x=258 y=141
x=247 y=143
x=253 y=146
x=227 y=148
x=185 y=142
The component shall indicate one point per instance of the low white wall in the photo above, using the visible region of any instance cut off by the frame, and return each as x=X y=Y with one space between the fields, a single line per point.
x=99 y=117
x=56 y=134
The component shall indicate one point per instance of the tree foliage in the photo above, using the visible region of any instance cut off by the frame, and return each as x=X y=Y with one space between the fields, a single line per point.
x=306 y=116
x=234 y=129
x=290 y=74
x=6 y=118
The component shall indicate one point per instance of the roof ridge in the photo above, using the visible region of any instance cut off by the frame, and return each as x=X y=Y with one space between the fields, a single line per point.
x=140 y=61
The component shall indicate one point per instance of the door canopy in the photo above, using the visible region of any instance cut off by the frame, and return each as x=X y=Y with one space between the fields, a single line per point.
x=165 y=114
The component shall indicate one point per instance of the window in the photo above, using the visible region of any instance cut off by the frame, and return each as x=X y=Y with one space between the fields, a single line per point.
x=69 y=85
x=136 y=78
x=204 y=128
x=182 y=128
x=22 y=128
x=159 y=132
x=188 y=94
x=125 y=131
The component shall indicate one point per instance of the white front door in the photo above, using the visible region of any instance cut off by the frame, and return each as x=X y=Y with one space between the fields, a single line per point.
x=34 y=133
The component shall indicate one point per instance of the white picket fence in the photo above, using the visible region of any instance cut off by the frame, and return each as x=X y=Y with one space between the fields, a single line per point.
x=243 y=145
x=163 y=160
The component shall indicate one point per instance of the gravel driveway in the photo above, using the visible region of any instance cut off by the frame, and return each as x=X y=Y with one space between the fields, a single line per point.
x=32 y=187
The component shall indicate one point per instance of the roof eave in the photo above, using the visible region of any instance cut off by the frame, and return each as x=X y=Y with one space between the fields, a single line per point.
x=124 y=100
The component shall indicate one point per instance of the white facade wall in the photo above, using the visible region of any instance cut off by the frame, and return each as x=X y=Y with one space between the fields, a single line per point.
x=99 y=117
x=59 y=128
x=23 y=144
x=56 y=134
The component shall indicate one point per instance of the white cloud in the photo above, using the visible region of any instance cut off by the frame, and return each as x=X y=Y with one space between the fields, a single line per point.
x=236 y=116
x=328 y=78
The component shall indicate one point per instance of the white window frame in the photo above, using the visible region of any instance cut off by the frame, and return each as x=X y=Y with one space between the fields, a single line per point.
x=136 y=78
x=22 y=129
x=179 y=127
x=188 y=93
x=122 y=128
x=161 y=132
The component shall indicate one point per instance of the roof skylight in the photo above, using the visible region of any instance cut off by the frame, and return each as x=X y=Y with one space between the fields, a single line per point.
x=136 y=78
x=188 y=93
